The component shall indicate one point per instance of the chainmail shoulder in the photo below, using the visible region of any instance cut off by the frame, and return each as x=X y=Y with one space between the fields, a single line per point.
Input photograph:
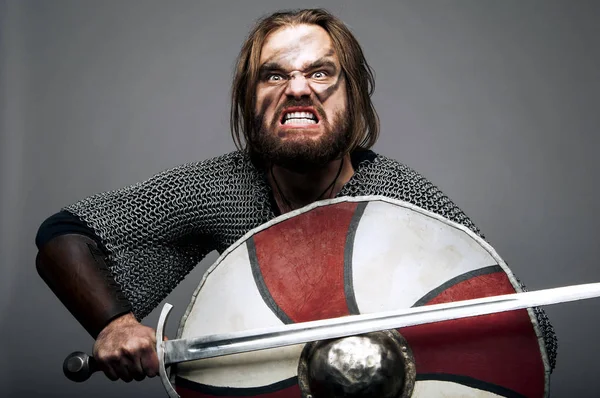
x=157 y=231
x=387 y=177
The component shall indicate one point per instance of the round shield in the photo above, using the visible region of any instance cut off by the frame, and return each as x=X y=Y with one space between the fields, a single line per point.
x=357 y=256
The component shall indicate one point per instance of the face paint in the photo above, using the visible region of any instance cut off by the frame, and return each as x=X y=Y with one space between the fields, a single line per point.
x=331 y=90
x=301 y=99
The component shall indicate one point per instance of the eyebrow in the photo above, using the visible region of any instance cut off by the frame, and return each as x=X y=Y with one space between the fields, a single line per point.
x=324 y=62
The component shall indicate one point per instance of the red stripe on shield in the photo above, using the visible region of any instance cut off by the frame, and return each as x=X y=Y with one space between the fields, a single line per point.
x=501 y=348
x=302 y=262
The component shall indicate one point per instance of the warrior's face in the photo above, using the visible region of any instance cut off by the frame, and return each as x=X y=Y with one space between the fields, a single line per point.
x=301 y=98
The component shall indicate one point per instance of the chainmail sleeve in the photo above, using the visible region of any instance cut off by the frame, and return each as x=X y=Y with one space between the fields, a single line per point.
x=156 y=231
x=387 y=177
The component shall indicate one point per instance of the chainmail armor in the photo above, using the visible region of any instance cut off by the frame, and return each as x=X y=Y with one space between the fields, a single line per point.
x=158 y=230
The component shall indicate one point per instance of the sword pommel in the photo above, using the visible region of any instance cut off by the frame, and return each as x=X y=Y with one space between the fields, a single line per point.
x=79 y=366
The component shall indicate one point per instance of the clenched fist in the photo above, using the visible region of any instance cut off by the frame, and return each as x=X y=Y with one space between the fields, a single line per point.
x=126 y=350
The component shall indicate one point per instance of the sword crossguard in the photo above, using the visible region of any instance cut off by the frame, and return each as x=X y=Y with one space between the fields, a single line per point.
x=160 y=351
x=79 y=366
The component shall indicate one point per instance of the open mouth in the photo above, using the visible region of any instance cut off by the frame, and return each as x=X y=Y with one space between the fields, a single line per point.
x=299 y=117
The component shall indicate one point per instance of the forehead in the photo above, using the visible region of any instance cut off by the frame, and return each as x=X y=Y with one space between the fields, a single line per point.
x=298 y=45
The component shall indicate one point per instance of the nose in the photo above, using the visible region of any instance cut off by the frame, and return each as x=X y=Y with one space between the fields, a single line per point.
x=297 y=86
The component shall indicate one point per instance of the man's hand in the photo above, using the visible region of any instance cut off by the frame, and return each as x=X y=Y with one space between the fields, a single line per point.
x=126 y=350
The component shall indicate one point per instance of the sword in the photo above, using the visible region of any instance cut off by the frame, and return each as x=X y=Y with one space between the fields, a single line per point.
x=183 y=350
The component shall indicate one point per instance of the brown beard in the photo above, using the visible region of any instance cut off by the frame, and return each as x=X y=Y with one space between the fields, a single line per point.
x=302 y=156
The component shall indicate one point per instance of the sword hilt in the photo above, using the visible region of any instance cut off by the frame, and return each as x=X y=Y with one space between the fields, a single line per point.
x=160 y=351
x=79 y=366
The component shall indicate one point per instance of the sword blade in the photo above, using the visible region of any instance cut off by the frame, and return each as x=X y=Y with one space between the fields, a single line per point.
x=183 y=350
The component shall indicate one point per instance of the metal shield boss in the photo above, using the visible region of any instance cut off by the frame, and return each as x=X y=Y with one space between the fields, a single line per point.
x=357 y=256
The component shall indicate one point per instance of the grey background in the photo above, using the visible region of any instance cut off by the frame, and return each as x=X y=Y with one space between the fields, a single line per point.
x=495 y=102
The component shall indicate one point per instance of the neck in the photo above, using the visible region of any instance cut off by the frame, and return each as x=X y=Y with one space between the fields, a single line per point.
x=293 y=190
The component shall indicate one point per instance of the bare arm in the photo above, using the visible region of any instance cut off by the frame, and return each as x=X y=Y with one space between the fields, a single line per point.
x=76 y=271
x=155 y=234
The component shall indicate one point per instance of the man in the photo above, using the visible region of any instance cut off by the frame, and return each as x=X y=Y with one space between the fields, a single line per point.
x=303 y=121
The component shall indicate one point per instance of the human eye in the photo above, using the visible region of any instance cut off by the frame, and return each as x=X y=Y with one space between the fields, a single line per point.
x=320 y=75
x=274 y=77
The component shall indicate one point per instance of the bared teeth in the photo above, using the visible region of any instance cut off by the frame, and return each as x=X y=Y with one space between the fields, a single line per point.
x=300 y=115
x=300 y=121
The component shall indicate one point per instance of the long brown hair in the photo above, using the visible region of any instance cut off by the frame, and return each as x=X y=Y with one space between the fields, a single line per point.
x=360 y=80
